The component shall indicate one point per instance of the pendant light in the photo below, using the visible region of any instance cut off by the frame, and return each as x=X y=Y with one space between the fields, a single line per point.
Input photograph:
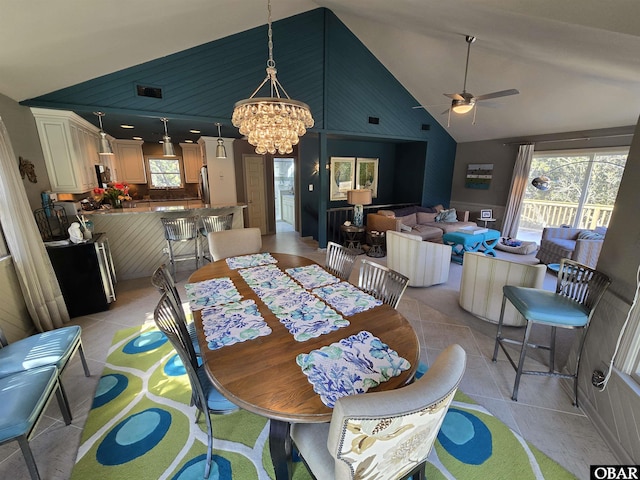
x=105 y=144
x=272 y=124
x=167 y=146
x=221 y=152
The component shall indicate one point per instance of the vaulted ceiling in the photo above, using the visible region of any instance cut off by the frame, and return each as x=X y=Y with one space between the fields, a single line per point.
x=575 y=62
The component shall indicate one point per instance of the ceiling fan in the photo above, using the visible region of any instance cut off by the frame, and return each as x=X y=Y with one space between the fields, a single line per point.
x=464 y=102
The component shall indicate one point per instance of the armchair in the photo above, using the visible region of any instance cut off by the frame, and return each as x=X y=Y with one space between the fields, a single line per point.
x=576 y=244
x=482 y=281
x=425 y=263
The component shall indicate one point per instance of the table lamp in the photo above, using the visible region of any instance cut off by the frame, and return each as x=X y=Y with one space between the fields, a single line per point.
x=358 y=198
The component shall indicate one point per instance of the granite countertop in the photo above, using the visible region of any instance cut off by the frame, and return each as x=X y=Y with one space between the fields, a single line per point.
x=146 y=206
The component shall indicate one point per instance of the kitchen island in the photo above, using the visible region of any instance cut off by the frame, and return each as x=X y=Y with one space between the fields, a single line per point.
x=136 y=234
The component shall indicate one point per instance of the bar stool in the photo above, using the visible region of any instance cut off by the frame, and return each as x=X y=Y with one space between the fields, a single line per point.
x=214 y=223
x=181 y=229
x=579 y=289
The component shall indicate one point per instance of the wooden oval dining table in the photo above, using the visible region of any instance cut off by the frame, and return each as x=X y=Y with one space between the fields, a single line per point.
x=262 y=376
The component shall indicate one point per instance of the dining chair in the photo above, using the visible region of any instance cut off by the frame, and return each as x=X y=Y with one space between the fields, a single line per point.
x=237 y=241
x=339 y=260
x=206 y=398
x=180 y=230
x=579 y=290
x=54 y=347
x=162 y=280
x=24 y=397
x=382 y=282
x=214 y=223
x=388 y=434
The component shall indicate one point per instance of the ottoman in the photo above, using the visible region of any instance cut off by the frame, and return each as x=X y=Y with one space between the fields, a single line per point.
x=469 y=242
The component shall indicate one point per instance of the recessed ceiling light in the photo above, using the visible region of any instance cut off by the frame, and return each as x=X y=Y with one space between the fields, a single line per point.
x=194 y=131
x=137 y=138
x=188 y=141
x=126 y=126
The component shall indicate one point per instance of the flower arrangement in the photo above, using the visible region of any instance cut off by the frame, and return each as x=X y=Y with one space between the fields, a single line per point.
x=115 y=193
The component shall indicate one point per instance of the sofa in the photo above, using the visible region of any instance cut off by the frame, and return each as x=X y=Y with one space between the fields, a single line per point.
x=424 y=263
x=482 y=281
x=578 y=244
x=429 y=223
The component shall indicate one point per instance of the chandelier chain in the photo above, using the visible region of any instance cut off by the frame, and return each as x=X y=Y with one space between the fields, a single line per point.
x=271 y=62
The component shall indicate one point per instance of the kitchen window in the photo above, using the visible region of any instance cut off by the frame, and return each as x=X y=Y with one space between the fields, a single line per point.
x=165 y=173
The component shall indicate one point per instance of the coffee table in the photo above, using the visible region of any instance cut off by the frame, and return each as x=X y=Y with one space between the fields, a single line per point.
x=469 y=242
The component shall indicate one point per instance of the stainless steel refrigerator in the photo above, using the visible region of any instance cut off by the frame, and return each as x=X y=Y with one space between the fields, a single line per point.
x=205 y=194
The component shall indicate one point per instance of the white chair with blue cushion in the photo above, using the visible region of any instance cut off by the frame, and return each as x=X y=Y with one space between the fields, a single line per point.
x=55 y=347
x=579 y=289
x=23 y=398
x=383 y=435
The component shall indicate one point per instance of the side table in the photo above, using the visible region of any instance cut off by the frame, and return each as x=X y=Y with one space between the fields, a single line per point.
x=352 y=236
x=377 y=242
x=486 y=221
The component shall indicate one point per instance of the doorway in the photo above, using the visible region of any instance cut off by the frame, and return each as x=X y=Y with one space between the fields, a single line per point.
x=284 y=194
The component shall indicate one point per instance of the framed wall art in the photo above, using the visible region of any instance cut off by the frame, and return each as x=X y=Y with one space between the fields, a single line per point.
x=486 y=214
x=342 y=177
x=367 y=175
x=479 y=175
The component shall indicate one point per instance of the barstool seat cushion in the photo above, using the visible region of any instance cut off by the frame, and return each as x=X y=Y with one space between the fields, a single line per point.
x=48 y=348
x=543 y=306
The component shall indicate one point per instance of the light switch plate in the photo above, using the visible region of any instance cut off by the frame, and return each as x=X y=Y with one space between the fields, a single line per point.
x=311 y=187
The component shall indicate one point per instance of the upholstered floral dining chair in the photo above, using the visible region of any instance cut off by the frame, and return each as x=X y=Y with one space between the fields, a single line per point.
x=383 y=435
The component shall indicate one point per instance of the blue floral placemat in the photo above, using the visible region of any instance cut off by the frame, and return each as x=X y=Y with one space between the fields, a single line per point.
x=253 y=260
x=211 y=292
x=303 y=314
x=312 y=276
x=346 y=298
x=353 y=365
x=233 y=323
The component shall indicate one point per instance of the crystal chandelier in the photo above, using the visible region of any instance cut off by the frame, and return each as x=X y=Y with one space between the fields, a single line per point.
x=272 y=124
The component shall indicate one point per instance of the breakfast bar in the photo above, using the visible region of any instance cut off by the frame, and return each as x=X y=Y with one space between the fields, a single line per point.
x=136 y=234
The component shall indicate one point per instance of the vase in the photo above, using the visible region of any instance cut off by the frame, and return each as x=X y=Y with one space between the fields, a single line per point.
x=116 y=203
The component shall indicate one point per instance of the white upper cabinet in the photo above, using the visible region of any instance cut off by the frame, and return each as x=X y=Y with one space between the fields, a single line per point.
x=192 y=160
x=70 y=148
x=129 y=161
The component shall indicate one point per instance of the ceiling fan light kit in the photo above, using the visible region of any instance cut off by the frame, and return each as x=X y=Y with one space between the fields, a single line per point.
x=464 y=102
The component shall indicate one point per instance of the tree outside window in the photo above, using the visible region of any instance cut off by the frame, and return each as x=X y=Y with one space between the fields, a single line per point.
x=164 y=173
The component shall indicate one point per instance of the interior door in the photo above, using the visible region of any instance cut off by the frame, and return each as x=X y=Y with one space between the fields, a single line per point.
x=255 y=189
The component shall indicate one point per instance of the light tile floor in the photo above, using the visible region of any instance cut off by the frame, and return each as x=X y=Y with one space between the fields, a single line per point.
x=543 y=415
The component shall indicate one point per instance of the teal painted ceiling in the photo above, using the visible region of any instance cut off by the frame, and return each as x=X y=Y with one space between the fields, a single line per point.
x=319 y=62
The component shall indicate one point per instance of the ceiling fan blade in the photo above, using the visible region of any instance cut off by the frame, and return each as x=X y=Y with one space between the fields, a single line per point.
x=501 y=93
x=455 y=96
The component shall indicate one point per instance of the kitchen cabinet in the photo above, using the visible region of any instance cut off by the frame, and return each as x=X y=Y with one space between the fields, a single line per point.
x=70 y=147
x=129 y=161
x=288 y=208
x=192 y=162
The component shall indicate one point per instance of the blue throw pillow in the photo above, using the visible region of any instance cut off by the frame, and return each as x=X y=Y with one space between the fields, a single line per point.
x=447 y=216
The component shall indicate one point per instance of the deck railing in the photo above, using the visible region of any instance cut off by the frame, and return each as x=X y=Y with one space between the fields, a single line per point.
x=537 y=214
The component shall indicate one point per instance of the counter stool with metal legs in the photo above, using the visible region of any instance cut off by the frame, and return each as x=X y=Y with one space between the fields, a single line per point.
x=181 y=229
x=214 y=223
x=579 y=289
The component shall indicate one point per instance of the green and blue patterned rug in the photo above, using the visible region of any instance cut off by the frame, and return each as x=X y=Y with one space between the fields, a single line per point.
x=142 y=427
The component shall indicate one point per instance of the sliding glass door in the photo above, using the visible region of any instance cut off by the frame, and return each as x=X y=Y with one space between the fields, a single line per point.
x=582 y=186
